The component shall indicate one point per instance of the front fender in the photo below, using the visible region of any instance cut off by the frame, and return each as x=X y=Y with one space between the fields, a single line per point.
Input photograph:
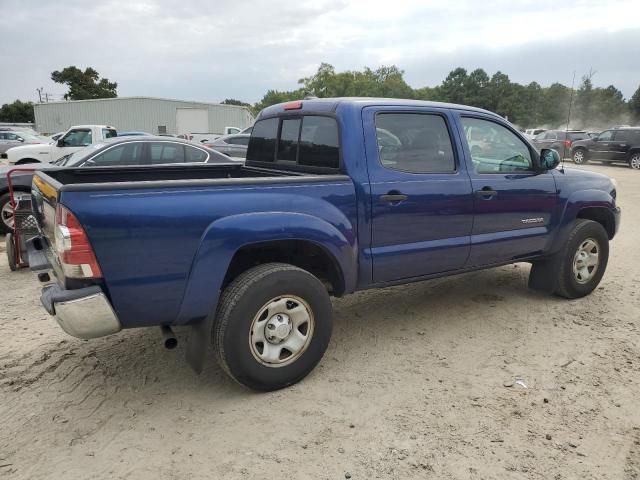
x=577 y=201
x=224 y=237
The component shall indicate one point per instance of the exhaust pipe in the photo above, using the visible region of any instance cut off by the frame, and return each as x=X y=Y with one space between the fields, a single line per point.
x=168 y=337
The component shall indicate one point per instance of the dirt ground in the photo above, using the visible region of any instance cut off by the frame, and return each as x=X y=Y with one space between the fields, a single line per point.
x=415 y=384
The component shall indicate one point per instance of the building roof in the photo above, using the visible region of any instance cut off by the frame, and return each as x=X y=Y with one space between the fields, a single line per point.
x=140 y=98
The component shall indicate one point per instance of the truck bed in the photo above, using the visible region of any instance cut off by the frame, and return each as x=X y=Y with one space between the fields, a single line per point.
x=168 y=233
x=140 y=176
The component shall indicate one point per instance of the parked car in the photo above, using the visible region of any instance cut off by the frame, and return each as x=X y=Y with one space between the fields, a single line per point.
x=231 y=145
x=73 y=140
x=531 y=133
x=10 y=139
x=247 y=130
x=121 y=151
x=560 y=140
x=208 y=137
x=621 y=145
x=247 y=255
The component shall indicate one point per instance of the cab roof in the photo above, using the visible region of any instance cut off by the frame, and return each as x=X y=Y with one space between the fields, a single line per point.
x=331 y=105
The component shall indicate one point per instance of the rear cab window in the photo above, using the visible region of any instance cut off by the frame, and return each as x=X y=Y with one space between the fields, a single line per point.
x=109 y=133
x=306 y=141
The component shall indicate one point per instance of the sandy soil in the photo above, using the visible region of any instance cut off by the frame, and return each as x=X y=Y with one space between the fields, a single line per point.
x=414 y=385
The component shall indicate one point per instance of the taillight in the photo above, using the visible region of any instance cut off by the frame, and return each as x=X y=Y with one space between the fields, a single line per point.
x=73 y=248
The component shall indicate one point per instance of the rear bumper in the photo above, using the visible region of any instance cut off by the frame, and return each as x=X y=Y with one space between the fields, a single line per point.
x=82 y=313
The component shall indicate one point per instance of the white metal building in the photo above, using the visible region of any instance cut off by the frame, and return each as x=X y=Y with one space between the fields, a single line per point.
x=146 y=114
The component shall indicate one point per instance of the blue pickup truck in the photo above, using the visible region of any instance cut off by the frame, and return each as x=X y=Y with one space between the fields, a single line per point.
x=337 y=195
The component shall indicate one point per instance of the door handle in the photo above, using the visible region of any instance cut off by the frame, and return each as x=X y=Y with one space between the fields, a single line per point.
x=486 y=193
x=393 y=197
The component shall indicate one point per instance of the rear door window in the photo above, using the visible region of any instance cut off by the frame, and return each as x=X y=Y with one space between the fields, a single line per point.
x=414 y=142
x=166 y=152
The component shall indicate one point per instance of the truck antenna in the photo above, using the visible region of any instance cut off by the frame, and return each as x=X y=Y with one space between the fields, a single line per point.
x=566 y=131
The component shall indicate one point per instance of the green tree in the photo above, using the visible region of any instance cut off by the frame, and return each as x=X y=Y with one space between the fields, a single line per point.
x=584 y=99
x=233 y=101
x=84 y=85
x=554 y=105
x=634 y=105
x=454 y=87
x=17 y=112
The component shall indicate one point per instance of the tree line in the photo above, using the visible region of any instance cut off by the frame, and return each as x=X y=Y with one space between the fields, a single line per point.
x=527 y=106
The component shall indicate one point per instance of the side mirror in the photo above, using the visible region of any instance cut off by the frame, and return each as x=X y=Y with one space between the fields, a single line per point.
x=60 y=142
x=549 y=159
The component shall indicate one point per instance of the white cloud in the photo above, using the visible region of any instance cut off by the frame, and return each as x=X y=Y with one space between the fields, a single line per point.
x=213 y=50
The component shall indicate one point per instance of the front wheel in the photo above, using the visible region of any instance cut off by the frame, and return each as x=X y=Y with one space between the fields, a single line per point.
x=272 y=326
x=580 y=156
x=584 y=260
x=634 y=161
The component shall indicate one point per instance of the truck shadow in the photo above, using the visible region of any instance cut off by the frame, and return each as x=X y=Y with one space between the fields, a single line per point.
x=136 y=362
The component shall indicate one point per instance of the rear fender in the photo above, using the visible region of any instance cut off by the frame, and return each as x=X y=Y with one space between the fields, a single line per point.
x=224 y=237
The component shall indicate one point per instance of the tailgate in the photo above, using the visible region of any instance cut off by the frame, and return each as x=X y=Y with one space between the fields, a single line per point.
x=44 y=200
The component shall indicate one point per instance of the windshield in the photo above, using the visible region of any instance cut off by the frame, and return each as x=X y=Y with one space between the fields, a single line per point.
x=76 y=158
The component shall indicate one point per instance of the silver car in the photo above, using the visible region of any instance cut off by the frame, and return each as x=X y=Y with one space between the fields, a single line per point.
x=9 y=139
x=232 y=145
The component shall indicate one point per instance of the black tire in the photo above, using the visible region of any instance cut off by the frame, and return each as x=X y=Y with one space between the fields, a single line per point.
x=244 y=299
x=26 y=161
x=581 y=155
x=11 y=253
x=4 y=200
x=583 y=230
x=634 y=160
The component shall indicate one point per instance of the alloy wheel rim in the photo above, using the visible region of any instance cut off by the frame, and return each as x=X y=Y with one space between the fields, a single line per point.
x=6 y=214
x=281 y=331
x=635 y=162
x=586 y=261
x=578 y=157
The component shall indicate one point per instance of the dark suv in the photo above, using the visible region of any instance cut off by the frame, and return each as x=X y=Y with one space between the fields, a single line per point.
x=560 y=140
x=615 y=145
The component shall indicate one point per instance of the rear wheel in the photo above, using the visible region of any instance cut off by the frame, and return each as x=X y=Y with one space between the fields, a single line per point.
x=272 y=326
x=634 y=161
x=580 y=156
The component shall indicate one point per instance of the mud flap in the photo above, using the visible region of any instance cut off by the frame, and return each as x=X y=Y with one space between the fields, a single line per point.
x=198 y=344
x=545 y=273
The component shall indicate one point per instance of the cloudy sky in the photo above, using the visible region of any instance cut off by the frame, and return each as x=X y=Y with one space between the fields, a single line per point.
x=221 y=49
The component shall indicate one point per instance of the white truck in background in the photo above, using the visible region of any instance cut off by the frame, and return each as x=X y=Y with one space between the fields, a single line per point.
x=74 y=139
